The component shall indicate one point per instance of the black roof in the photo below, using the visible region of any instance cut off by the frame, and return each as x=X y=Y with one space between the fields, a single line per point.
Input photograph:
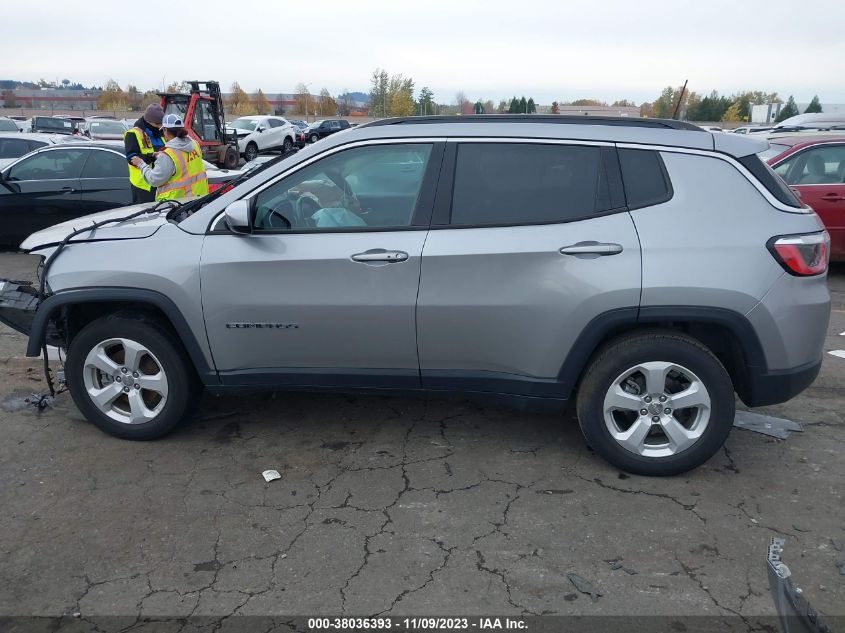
x=538 y=118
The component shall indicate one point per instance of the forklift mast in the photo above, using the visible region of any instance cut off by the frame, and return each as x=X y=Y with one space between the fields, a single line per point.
x=205 y=119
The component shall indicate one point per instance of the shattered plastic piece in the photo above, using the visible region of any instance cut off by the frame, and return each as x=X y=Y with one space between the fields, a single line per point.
x=584 y=586
x=798 y=528
x=837 y=544
x=270 y=475
x=794 y=611
x=766 y=424
x=840 y=565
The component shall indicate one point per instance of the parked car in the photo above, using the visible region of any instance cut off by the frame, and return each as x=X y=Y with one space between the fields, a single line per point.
x=13 y=145
x=297 y=123
x=8 y=125
x=58 y=183
x=52 y=125
x=815 y=167
x=641 y=267
x=262 y=133
x=104 y=129
x=324 y=128
x=24 y=123
x=750 y=129
x=218 y=178
x=44 y=188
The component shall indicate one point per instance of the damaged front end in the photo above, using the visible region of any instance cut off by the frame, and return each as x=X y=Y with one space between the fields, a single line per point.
x=19 y=301
x=794 y=611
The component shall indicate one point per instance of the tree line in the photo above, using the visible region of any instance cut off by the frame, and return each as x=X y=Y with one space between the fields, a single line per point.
x=715 y=107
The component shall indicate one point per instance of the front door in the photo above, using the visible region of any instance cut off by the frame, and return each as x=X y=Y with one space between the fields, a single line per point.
x=40 y=190
x=323 y=291
x=819 y=174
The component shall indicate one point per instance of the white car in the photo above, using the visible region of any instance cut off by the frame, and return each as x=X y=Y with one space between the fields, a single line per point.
x=262 y=133
x=13 y=145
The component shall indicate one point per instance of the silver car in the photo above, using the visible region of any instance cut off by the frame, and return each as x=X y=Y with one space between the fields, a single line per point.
x=643 y=270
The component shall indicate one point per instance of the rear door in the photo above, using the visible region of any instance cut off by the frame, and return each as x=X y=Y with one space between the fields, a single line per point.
x=40 y=190
x=530 y=242
x=819 y=174
x=104 y=183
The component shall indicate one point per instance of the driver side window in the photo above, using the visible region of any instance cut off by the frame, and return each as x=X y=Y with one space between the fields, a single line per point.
x=375 y=187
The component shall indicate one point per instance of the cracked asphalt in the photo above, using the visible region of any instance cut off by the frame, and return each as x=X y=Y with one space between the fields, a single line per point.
x=398 y=506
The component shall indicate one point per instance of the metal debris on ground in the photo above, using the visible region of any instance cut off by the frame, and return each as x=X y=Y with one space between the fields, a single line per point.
x=270 y=475
x=616 y=564
x=584 y=586
x=39 y=402
x=766 y=424
x=794 y=611
x=840 y=565
x=837 y=544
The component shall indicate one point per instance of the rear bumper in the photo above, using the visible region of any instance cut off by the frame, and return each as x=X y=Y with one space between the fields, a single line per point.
x=773 y=387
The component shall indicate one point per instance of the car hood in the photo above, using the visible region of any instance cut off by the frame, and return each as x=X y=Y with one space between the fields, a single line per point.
x=140 y=227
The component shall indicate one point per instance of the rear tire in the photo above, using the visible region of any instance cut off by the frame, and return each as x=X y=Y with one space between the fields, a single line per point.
x=130 y=377
x=656 y=403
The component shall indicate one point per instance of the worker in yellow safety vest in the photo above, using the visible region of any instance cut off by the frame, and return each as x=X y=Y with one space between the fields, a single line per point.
x=179 y=170
x=144 y=139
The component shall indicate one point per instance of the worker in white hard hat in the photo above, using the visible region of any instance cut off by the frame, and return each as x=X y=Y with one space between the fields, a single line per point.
x=179 y=170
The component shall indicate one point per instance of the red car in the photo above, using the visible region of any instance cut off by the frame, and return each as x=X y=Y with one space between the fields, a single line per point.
x=815 y=167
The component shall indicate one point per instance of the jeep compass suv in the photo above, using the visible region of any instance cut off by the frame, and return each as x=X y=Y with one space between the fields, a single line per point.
x=646 y=269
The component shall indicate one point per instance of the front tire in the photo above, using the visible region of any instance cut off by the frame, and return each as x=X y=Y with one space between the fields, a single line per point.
x=130 y=377
x=250 y=152
x=315 y=138
x=287 y=146
x=656 y=403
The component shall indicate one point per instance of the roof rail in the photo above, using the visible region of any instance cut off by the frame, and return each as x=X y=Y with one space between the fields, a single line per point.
x=538 y=118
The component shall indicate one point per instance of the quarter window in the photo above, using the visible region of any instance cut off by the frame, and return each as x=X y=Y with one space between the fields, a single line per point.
x=645 y=178
x=514 y=183
x=360 y=188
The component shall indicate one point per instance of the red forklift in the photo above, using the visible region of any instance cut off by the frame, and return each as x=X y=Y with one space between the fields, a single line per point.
x=205 y=121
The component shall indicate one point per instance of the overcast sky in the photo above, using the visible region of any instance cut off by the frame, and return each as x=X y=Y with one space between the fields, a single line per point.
x=551 y=50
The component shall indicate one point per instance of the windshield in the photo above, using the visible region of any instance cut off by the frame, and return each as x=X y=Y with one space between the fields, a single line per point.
x=7 y=125
x=244 y=124
x=318 y=123
x=106 y=127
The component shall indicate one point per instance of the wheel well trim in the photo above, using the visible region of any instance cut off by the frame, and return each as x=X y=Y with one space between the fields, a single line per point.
x=79 y=296
x=606 y=325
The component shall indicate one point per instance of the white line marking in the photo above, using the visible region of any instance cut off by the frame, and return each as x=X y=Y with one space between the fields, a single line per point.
x=838 y=352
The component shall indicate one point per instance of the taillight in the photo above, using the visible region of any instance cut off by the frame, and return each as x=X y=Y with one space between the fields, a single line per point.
x=802 y=255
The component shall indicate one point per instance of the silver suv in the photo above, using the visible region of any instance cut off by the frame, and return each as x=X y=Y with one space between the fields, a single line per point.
x=646 y=269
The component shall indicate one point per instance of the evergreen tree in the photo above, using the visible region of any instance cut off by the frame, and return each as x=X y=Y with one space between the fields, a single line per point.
x=814 y=106
x=789 y=110
x=523 y=106
x=532 y=107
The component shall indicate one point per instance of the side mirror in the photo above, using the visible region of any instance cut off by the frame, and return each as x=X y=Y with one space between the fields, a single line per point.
x=259 y=129
x=237 y=217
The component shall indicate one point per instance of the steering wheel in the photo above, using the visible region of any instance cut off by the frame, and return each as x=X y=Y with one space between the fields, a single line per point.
x=273 y=216
x=305 y=207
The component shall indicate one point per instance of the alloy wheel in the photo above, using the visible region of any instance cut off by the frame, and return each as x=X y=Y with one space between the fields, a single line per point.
x=125 y=381
x=657 y=409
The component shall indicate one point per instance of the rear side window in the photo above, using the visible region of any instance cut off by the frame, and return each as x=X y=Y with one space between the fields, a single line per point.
x=645 y=178
x=13 y=147
x=770 y=180
x=515 y=183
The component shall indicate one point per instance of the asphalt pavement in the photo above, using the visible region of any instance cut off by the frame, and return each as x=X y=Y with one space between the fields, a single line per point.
x=397 y=506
